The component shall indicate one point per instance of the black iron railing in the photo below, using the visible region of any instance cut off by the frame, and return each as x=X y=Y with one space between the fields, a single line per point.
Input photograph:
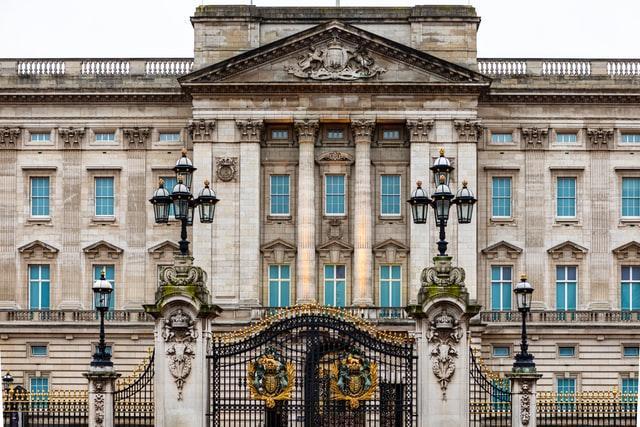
x=54 y=408
x=489 y=397
x=592 y=409
x=133 y=400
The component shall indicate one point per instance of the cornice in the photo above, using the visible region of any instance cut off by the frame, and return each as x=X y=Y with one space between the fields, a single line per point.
x=559 y=98
x=79 y=97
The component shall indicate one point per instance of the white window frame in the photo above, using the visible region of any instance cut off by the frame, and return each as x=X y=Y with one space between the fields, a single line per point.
x=334 y=283
x=344 y=195
x=113 y=139
x=393 y=215
x=380 y=279
x=160 y=135
x=510 y=178
x=497 y=140
x=38 y=140
x=288 y=213
x=95 y=196
x=626 y=217
x=31 y=215
x=565 y=282
x=279 y=281
x=563 y=133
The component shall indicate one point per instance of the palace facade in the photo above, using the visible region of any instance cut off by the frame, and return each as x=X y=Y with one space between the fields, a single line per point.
x=313 y=127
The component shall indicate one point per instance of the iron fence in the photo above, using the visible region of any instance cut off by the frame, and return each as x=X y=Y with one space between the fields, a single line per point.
x=69 y=408
x=489 y=396
x=133 y=399
x=593 y=409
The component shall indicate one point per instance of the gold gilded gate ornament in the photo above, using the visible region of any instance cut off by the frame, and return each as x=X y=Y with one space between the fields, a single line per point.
x=353 y=379
x=270 y=378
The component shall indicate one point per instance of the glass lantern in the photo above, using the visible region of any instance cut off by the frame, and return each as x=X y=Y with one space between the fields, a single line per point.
x=207 y=203
x=181 y=197
x=102 y=289
x=465 y=201
x=441 y=167
x=523 y=291
x=184 y=169
x=419 y=202
x=442 y=202
x=161 y=202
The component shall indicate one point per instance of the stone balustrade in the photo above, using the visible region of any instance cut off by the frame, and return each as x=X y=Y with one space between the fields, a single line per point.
x=540 y=67
x=73 y=316
x=584 y=316
x=97 y=67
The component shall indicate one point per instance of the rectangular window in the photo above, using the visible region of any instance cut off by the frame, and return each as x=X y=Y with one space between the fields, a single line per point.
x=501 y=197
x=391 y=134
x=39 y=287
x=40 y=196
x=335 y=134
x=501 y=288
x=109 y=274
x=39 y=385
x=169 y=136
x=39 y=350
x=566 y=393
x=169 y=183
x=390 y=195
x=390 y=285
x=564 y=138
x=279 y=285
x=630 y=286
x=630 y=386
x=334 y=195
x=631 y=197
x=500 y=351
x=40 y=136
x=105 y=136
x=566 y=287
x=502 y=137
x=104 y=196
x=631 y=351
x=631 y=137
x=279 y=192
x=566 y=197
x=280 y=134
x=335 y=285
x=567 y=351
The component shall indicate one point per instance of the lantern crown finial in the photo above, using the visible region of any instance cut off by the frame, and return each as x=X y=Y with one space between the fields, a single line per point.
x=464 y=183
x=523 y=277
x=184 y=152
x=442 y=179
x=103 y=274
x=419 y=184
x=161 y=183
x=206 y=183
x=442 y=152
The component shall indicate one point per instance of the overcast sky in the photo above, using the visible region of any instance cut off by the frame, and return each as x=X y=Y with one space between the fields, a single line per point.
x=161 y=28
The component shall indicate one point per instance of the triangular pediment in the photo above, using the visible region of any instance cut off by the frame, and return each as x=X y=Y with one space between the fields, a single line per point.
x=163 y=246
x=502 y=250
x=277 y=244
x=37 y=249
x=333 y=245
x=332 y=53
x=102 y=249
x=390 y=250
x=629 y=250
x=391 y=243
x=568 y=250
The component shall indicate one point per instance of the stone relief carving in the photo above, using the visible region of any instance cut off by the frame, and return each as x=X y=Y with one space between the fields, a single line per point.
x=363 y=129
x=9 y=136
x=468 y=130
x=136 y=135
x=525 y=404
x=179 y=332
x=419 y=129
x=444 y=334
x=201 y=130
x=226 y=169
x=600 y=136
x=306 y=129
x=442 y=274
x=98 y=388
x=71 y=136
x=535 y=136
x=250 y=130
x=334 y=231
x=335 y=62
x=335 y=156
x=182 y=275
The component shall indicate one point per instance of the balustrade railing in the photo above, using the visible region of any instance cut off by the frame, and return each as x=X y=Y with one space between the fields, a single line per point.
x=41 y=67
x=73 y=316
x=104 y=68
x=97 y=67
x=543 y=67
x=582 y=316
x=591 y=408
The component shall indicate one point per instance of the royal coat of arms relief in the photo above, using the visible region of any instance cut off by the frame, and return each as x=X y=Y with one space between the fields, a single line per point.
x=353 y=379
x=270 y=378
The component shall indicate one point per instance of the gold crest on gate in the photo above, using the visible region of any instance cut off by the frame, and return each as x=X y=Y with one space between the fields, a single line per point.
x=353 y=379
x=270 y=378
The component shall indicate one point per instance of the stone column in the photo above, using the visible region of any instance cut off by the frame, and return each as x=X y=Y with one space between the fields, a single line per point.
x=101 y=387
x=306 y=281
x=523 y=398
x=420 y=236
x=362 y=214
x=9 y=142
x=182 y=336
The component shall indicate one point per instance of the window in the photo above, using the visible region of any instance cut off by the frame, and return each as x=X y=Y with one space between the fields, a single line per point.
x=501 y=288
x=564 y=138
x=390 y=195
x=104 y=196
x=169 y=183
x=630 y=286
x=279 y=191
x=279 y=285
x=279 y=134
x=40 y=136
x=169 y=136
x=630 y=386
x=500 y=351
x=631 y=197
x=334 y=195
x=566 y=287
x=501 y=197
x=391 y=134
x=631 y=351
x=105 y=136
x=566 y=392
x=40 y=196
x=335 y=133
x=39 y=385
x=566 y=197
x=109 y=274
x=501 y=137
x=38 y=350
x=390 y=285
x=335 y=285
x=567 y=351
x=39 y=287
x=631 y=137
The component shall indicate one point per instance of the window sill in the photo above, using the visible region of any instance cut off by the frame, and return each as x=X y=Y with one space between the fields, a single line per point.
x=104 y=219
x=629 y=222
x=566 y=222
x=279 y=218
x=503 y=221
x=390 y=218
x=36 y=220
x=334 y=216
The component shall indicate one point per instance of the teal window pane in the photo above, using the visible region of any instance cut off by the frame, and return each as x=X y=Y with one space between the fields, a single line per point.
x=495 y=273
x=109 y=274
x=566 y=137
x=630 y=385
x=40 y=136
x=334 y=285
x=501 y=137
x=335 y=134
x=630 y=288
x=390 y=286
x=39 y=350
x=105 y=137
x=279 y=285
x=631 y=197
x=340 y=293
x=390 y=195
x=631 y=137
x=500 y=351
x=279 y=187
x=561 y=299
x=566 y=385
x=169 y=183
x=334 y=194
x=566 y=287
x=496 y=297
x=279 y=134
x=39 y=385
x=568 y=351
x=501 y=288
x=566 y=197
x=104 y=196
x=631 y=351
x=626 y=296
x=40 y=196
x=169 y=136
x=393 y=134
x=501 y=197
x=506 y=297
x=39 y=287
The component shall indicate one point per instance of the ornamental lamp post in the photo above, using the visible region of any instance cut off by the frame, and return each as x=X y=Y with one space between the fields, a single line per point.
x=524 y=290
x=7 y=380
x=102 y=289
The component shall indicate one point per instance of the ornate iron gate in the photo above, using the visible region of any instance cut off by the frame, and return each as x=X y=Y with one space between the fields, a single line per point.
x=312 y=366
x=133 y=401
x=489 y=396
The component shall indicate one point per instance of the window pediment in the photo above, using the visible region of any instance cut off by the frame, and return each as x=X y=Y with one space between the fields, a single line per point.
x=502 y=250
x=38 y=249
x=279 y=251
x=335 y=156
x=568 y=250
x=627 y=251
x=103 y=249
x=164 y=249
x=335 y=251
x=390 y=250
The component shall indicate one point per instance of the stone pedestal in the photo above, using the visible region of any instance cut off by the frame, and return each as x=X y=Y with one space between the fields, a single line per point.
x=442 y=323
x=182 y=336
x=101 y=387
x=523 y=398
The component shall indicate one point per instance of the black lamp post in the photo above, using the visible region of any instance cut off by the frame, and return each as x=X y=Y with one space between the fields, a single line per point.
x=7 y=380
x=523 y=291
x=102 y=293
x=183 y=202
x=441 y=200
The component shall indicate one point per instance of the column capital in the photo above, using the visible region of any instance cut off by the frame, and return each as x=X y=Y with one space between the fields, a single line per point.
x=362 y=130
x=137 y=137
x=419 y=129
x=250 y=129
x=9 y=137
x=306 y=129
x=72 y=137
x=201 y=129
x=468 y=130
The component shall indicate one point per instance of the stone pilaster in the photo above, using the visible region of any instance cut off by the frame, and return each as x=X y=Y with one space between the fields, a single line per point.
x=306 y=281
x=101 y=388
x=523 y=398
x=536 y=254
x=8 y=219
x=362 y=224
x=136 y=254
x=71 y=252
x=600 y=265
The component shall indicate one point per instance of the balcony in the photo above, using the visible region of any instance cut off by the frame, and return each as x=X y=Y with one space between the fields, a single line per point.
x=576 y=317
x=73 y=316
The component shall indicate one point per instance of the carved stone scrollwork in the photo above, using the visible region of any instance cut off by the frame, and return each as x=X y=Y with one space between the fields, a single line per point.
x=363 y=130
x=525 y=404
x=201 y=130
x=179 y=332
x=335 y=61
x=468 y=130
x=9 y=137
x=71 y=136
x=600 y=136
x=226 y=169
x=419 y=129
x=98 y=388
x=534 y=136
x=306 y=130
x=444 y=334
x=136 y=136
x=250 y=130
x=335 y=156
x=443 y=274
x=182 y=275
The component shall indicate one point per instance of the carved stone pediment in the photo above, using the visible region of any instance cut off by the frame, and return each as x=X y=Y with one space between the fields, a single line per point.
x=279 y=251
x=102 y=249
x=390 y=251
x=335 y=251
x=502 y=250
x=9 y=137
x=137 y=137
x=72 y=137
x=567 y=251
x=468 y=130
x=38 y=250
x=164 y=250
x=629 y=250
x=335 y=156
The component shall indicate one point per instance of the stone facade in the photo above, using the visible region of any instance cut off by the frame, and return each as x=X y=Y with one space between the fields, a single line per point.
x=309 y=97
